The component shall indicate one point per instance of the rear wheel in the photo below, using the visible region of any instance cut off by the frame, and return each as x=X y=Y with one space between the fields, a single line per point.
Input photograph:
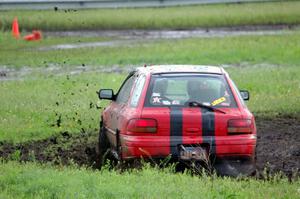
x=102 y=147
x=236 y=167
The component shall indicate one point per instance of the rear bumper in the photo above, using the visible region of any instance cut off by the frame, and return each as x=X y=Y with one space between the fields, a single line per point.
x=163 y=146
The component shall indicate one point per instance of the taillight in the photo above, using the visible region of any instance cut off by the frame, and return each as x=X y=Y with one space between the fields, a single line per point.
x=142 y=126
x=239 y=126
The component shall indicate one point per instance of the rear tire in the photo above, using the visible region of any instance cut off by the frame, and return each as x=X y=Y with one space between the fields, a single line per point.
x=236 y=167
x=102 y=147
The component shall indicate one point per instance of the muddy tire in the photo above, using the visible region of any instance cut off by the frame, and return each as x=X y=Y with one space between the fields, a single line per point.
x=102 y=147
x=236 y=167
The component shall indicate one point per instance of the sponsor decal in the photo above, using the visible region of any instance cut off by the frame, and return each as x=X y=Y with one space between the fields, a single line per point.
x=218 y=101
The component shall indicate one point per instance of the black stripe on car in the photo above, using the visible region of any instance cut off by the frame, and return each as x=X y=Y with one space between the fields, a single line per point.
x=175 y=129
x=208 y=129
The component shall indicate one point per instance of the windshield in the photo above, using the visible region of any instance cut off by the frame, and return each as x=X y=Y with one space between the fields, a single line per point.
x=179 y=90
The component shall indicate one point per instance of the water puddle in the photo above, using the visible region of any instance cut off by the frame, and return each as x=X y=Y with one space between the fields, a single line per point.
x=89 y=45
x=132 y=37
x=165 y=34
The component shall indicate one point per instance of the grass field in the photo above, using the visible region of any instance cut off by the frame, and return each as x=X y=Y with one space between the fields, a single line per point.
x=280 y=49
x=39 y=106
x=42 y=181
x=31 y=108
x=274 y=13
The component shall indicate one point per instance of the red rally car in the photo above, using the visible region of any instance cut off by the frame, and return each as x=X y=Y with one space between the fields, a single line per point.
x=186 y=112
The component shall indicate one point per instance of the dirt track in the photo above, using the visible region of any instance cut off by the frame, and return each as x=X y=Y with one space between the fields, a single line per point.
x=278 y=147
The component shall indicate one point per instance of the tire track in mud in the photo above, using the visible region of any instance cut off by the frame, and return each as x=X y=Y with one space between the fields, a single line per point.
x=278 y=147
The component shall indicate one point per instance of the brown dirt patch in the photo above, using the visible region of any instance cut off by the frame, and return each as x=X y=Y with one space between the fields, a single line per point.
x=64 y=148
x=278 y=145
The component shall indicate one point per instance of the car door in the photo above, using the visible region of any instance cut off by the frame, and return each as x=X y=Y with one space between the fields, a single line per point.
x=118 y=107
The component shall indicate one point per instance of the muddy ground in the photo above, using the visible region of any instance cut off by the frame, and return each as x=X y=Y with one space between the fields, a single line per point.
x=278 y=147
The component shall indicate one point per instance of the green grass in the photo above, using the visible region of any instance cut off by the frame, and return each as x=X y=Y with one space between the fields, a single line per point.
x=274 y=91
x=273 y=13
x=41 y=181
x=281 y=49
x=31 y=108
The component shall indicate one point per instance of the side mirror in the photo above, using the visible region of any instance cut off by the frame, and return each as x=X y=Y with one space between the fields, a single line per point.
x=245 y=94
x=106 y=94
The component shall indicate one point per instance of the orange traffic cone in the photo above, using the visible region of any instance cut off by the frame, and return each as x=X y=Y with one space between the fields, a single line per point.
x=36 y=35
x=15 y=28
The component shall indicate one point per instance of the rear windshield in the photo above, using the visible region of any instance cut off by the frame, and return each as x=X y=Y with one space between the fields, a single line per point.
x=179 y=90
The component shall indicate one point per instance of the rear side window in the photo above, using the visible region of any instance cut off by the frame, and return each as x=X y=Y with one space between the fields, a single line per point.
x=171 y=90
x=125 y=90
x=139 y=85
x=238 y=94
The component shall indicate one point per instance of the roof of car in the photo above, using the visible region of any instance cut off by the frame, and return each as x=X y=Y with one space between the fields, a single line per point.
x=154 y=69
